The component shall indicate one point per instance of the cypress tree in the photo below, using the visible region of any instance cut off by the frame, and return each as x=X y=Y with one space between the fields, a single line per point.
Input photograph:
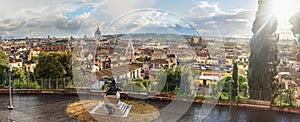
x=263 y=58
x=235 y=84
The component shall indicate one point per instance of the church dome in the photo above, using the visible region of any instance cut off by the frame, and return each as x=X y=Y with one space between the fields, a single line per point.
x=98 y=34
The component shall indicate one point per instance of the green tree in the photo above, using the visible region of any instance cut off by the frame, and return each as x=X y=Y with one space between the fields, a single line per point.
x=263 y=60
x=144 y=58
x=4 y=61
x=67 y=63
x=187 y=82
x=20 y=74
x=222 y=87
x=235 y=76
x=286 y=98
x=243 y=87
x=53 y=65
x=168 y=79
x=137 y=85
x=22 y=79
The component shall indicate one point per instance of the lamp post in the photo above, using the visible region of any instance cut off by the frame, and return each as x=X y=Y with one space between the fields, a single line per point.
x=10 y=106
x=231 y=81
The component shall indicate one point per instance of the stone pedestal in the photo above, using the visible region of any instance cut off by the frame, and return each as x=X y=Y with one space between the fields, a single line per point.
x=112 y=106
x=112 y=99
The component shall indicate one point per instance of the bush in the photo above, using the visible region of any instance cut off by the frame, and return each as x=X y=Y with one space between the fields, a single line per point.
x=187 y=95
x=3 y=86
x=132 y=87
x=175 y=91
x=200 y=96
x=105 y=87
x=70 y=85
x=204 y=97
x=25 y=85
x=224 y=96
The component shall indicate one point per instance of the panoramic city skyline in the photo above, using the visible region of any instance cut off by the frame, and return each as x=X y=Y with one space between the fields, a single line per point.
x=158 y=60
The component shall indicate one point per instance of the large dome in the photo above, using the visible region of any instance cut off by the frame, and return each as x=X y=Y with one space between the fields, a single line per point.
x=98 y=34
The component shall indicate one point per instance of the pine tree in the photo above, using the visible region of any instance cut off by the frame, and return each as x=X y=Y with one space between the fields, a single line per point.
x=263 y=58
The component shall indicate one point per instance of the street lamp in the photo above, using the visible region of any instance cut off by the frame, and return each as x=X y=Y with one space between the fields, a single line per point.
x=10 y=106
x=230 y=81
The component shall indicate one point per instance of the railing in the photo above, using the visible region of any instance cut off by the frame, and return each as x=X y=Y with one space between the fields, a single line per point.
x=42 y=84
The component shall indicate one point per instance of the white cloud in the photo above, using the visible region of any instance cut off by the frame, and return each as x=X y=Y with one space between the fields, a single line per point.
x=41 y=18
x=147 y=21
x=205 y=9
x=210 y=17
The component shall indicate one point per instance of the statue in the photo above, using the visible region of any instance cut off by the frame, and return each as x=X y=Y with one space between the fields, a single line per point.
x=113 y=88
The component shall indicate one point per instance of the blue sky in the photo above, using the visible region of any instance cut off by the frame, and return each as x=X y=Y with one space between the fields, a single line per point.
x=63 y=18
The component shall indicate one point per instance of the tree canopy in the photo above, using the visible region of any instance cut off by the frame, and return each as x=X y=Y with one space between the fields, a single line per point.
x=4 y=61
x=54 y=65
x=176 y=81
x=223 y=85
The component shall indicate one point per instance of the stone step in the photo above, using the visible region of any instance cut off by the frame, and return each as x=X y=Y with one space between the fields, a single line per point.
x=102 y=110
x=119 y=109
x=120 y=103
x=125 y=114
x=117 y=112
x=124 y=108
x=121 y=106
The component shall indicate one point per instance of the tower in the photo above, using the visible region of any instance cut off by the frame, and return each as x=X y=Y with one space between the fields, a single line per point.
x=130 y=50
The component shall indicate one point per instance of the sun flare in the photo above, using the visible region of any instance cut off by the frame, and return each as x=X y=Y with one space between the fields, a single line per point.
x=284 y=9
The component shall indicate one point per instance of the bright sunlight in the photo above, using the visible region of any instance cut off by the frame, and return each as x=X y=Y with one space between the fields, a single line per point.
x=284 y=9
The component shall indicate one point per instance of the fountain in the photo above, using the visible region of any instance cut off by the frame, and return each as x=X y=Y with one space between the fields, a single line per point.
x=112 y=105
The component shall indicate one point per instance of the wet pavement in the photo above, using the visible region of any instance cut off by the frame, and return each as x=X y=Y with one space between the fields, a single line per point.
x=36 y=108
x=51 y=108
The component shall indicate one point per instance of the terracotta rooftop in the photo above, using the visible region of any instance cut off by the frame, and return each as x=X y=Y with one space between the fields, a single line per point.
x=117 y=71
x=159 y=61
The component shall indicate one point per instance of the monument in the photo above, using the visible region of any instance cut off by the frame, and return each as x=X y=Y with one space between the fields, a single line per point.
x=112 y=106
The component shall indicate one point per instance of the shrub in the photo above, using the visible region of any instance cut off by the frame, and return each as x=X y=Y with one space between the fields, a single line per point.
x=25 y=85
x=3 y=86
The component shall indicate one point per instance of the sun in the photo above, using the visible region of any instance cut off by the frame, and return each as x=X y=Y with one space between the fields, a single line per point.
x=284 y=9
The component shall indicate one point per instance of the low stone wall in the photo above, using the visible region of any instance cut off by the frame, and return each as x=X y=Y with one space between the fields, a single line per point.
x=255 y=102
x=29 y=91
x=68 y=91
x=286 y=109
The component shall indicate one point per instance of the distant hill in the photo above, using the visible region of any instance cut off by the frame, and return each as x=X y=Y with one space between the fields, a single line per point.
x=150 y=36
